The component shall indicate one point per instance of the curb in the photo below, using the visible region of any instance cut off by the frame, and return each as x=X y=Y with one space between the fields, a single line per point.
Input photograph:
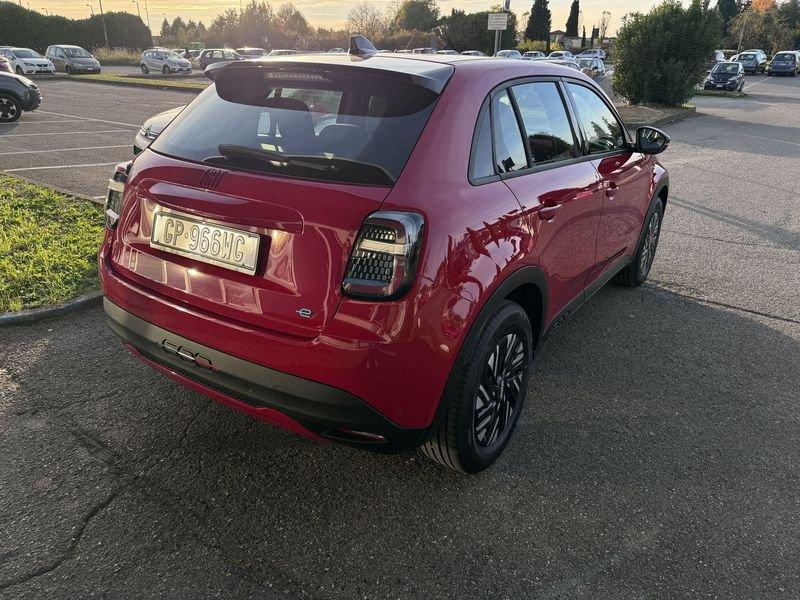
x=169 y=88
x=666 y=120
x=33 y=315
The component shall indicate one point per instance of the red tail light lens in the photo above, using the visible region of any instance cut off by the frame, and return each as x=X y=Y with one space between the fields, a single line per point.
x=384 y=257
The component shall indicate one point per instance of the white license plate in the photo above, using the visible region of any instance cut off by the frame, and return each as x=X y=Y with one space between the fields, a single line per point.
x=720 y=85
x=222 y=246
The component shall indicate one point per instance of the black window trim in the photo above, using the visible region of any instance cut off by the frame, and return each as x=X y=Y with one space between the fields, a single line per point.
x=484 y=112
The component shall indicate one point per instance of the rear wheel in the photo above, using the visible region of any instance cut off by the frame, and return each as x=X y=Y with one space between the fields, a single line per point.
x=20 y=71
x=486 y=400
x=67 y=70
x=145 y=70
x=636 y=273
x=10 y=108
x=165 y=70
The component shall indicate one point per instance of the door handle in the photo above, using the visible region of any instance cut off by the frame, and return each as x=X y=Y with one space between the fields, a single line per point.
x=548 y=213
x=611 y=189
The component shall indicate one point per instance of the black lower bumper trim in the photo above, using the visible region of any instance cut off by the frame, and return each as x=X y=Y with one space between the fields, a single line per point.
x=322 y=409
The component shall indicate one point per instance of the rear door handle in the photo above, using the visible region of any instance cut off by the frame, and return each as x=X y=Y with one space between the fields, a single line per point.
x=548 y=213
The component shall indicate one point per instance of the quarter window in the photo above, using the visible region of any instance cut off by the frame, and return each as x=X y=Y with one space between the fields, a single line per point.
x=482 y=161
x=601 y=129
x=508 y=148
x=544 y=118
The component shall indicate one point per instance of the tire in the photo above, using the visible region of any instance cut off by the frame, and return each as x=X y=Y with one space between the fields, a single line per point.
x=482 y=393
x=10 y=108
x=67 y=70
x=145 y=70
x=20 y=71
x=635 y=274
x=165 y=70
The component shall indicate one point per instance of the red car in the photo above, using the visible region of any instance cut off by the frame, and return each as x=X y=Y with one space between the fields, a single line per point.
x=369 y=248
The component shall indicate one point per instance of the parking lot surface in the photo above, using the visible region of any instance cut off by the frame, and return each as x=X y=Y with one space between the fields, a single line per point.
x=81 y=131
x=658 y=455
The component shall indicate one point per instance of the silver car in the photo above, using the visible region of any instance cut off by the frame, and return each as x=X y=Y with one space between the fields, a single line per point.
x=162 y=60
x=153 y=127
x=72 y=59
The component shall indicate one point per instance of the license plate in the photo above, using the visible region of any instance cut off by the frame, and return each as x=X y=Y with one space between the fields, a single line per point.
x=213 y=244
x=720 y=85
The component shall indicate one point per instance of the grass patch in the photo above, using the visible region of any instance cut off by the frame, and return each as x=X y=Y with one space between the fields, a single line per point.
x=123 y=58
x=161 y=82
x=48 y=245
x=721 y=93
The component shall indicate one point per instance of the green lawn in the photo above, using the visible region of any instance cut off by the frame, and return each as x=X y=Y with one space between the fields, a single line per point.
x=48 y=245
x=174 y=82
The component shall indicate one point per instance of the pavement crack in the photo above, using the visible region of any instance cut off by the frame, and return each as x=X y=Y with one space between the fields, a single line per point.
x=673 y=289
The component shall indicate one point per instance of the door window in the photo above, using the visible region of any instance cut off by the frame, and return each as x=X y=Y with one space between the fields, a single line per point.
x=544 y=118
x=601 y=129
x=508 y=146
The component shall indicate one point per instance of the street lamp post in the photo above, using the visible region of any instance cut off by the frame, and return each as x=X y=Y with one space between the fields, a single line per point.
x=103 y=18
x=147 y=14
x=138 y=12
x=47 y=12
x=91 y=8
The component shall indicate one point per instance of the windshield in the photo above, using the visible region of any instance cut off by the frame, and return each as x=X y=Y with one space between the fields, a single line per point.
x=170 y=54
x=726 y=68
x=76 y=53
x=747 y=56
x=785 y=56
x=25 y=53
x=359 y=129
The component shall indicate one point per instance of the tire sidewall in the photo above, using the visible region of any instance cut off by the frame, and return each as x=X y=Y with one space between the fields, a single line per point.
x=18 y=105
x=474 y=457
x=656 y=206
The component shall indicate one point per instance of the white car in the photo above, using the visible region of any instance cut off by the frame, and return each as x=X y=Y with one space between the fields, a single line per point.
x=25 y=61
x=153 y=127
x=509 y=54
x=472 y=53
x=561 y=55
x=593 y=53
x=534 y=55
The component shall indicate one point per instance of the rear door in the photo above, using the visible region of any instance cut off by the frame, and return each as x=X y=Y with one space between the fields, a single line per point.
x=558 y=189
x=624 y=173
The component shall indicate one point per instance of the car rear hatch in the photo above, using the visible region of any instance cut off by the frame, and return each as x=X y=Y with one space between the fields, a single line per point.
x=248 y=205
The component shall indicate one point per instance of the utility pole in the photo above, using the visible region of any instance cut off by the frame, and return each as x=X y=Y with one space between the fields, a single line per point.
x=147 y=14
x=103 y=18
x=741 y=33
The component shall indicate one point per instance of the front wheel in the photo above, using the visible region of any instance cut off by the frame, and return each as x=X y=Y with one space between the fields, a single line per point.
x=67 y=70
x=20 y=71
x=636 y=273
x=486 y=399
x=165 y=70
x=10 y=109
x=145 y=70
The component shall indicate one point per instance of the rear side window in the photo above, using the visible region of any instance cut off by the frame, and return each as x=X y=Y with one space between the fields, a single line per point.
x=352 y=128
x=482 y=159
x=601 y=129
x=508 y=147
x=544 y=118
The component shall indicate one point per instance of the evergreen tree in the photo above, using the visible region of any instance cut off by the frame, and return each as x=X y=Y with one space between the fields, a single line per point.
x=728 y=9
x=165 y=28
x=572 y=21
x=539 y=22
x=583 y=40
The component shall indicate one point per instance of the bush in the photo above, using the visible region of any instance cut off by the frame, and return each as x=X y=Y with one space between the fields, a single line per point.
x=527 y=45
x=116 y=56
x=660 y=56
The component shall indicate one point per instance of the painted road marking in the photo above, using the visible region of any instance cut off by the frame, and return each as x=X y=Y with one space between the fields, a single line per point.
x=45 y=112
x=63 y=150
x=61 y=167
x=10 y=135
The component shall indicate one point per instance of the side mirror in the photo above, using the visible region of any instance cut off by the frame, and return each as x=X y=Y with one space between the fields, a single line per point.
x=650 y=140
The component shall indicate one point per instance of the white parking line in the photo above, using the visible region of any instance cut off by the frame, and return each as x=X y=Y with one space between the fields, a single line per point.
x=46 y=112
x=63 y=150
x=10 y=135
x=61 y=167
x=760 y=81
x=26 y=122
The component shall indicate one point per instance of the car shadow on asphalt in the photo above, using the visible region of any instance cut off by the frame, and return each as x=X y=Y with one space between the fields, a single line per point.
x=645 y=406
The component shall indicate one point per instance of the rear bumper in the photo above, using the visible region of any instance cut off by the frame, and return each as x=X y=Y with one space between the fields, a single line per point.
x=301 y=405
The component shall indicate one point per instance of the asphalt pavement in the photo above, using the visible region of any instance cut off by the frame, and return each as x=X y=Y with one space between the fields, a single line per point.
x=658 y=455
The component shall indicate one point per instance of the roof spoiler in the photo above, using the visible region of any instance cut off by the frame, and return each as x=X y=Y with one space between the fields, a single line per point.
x=361 y=46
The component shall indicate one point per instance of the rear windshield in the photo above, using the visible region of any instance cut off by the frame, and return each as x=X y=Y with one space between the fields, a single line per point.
x=354 y=129
x=747 y=56
x=787 y=56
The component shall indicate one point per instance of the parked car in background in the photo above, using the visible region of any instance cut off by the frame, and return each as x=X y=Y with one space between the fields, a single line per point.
x=726 y=75
x=559 y=54
x=25 y=61
x=210 y=56
x=593 y=53
x=337 y=51
x=446 y=52
x=784 y=63
x=370 y=282
x=282 y=52
x=153 y=127
x=473 y=53
x=252 y=52
x=593 y=67
x=715 y=57
x=753 y=61
x=565 y=62
x=72 y=59
x=163 y=61
x=534 y=55
x=509 y=54
x=17 y=94
x=424 y=51
x=5 y=65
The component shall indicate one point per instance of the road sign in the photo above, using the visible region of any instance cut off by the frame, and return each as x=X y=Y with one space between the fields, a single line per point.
x=498 y=21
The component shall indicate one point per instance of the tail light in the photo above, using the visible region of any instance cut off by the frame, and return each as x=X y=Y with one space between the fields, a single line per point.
x=116 y=186
x=384 y=257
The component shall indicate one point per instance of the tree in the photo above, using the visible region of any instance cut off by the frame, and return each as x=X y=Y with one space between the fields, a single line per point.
x=661 y=55
x=462 y=31
x=763 y=6
x=572 y=21
x=539 y=22
x=583 y=38
x=165 y=28
x=177 y=27
x=728 y=9
x=366 y=19
x=605 y=20
x=419 y=15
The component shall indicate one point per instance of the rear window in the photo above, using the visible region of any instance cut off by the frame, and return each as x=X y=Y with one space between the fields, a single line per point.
x=352 y=128
x=747 y=56
x=786 y=56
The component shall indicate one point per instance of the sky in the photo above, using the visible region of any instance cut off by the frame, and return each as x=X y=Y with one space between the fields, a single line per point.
x=326 y=13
